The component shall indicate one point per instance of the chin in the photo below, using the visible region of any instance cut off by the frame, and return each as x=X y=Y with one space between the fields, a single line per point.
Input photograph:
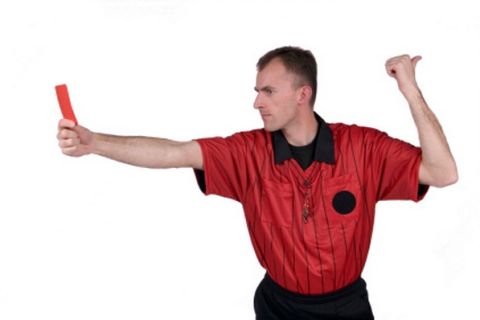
x=270 y=128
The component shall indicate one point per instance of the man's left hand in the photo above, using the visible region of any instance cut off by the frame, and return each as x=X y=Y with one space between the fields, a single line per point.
x=402 y=69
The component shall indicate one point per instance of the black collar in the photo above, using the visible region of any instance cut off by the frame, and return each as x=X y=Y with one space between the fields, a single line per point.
x=324 y=150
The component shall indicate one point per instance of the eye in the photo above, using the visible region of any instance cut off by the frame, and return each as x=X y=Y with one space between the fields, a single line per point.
x=268 y=91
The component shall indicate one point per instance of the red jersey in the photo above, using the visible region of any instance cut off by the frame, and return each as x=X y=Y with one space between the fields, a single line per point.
x=311 y=229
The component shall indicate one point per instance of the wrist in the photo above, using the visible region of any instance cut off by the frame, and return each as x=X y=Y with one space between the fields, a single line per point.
x=95 y=143
x=411 y=92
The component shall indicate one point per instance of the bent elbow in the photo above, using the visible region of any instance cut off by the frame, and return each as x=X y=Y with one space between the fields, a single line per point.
x=446 y=183
x=447 y=179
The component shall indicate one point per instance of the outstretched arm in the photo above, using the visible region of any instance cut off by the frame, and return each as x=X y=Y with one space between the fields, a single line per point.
x=75 y=140
x=438 y=166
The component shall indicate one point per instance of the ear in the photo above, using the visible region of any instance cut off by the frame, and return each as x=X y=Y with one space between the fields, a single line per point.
x=304 y=93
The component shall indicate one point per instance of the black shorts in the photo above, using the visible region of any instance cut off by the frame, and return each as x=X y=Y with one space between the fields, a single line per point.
x=273 y=302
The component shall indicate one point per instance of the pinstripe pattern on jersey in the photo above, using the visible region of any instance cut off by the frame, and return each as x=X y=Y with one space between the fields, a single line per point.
x=328 y=250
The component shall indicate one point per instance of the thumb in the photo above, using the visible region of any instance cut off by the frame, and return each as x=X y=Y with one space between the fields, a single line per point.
x=415 y=61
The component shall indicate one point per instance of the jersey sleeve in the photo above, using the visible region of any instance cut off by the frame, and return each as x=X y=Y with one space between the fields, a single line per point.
x=226 y=166
x=395 y=166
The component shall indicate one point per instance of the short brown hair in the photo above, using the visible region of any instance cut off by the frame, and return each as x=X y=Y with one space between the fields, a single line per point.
x=297 y=61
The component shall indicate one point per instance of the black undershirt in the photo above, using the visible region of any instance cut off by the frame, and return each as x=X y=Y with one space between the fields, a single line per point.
x=304 y=154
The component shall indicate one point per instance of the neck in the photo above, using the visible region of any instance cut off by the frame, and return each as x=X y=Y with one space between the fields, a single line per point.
x=302 y=130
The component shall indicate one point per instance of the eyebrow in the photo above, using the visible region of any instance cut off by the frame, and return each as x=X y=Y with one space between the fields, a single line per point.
x=263 y=88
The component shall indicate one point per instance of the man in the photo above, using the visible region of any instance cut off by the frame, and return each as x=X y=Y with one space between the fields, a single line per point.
x=308 y=188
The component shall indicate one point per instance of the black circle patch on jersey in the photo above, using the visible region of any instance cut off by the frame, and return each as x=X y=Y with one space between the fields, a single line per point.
x=344 y=202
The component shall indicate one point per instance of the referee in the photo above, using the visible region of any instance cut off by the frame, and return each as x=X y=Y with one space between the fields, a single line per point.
x=308 y=187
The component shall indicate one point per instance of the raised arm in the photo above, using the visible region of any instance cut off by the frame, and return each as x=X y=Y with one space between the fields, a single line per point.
x=139 y=151
x=438 y=167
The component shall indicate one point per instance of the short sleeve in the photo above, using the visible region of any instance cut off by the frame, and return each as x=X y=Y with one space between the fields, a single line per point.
x=395 y=164
x=226 y=166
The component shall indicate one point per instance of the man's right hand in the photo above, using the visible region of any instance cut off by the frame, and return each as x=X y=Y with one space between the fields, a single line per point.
x=74 y=140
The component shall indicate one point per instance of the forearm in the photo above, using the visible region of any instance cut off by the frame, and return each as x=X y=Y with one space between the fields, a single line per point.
x=438 y=165
x=140 y=151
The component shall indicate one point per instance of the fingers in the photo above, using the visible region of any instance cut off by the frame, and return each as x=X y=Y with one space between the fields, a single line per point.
x=402 y=69
x=390 y=70
x=403 y=59
x=65 y=123
x=393 y=64
x=73 y=140
x=415 y=61
x=71 y=147
x=402 y=65
x=70 y=151
x=68 y=139
x=66 y=134
x=67 y=143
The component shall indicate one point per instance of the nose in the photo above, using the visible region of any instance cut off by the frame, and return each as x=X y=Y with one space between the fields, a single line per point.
x=258 y=104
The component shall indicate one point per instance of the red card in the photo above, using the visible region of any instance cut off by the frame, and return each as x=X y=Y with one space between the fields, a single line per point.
x=64 y=102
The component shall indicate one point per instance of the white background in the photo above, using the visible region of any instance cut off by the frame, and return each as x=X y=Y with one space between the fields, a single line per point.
x=89 y=238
